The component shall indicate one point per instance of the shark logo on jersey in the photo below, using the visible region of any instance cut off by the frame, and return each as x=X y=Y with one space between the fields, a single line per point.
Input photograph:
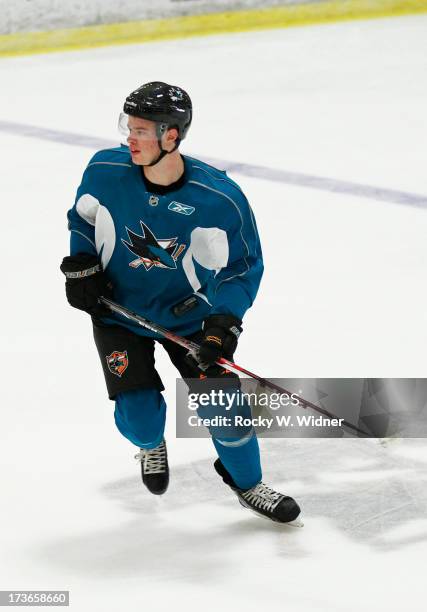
x=152 y=251
x=184 y=209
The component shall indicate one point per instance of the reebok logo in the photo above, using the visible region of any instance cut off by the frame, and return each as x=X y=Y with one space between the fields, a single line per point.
x=184 y=209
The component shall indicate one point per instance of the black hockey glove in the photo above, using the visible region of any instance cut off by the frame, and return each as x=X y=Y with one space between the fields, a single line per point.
x=220 y=335
x=85 y=283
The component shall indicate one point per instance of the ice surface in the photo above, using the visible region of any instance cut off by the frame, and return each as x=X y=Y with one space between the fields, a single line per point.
x=344 y=288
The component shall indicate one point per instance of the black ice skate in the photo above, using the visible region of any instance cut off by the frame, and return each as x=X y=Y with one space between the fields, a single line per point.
x=154 y=468
x=264 y=501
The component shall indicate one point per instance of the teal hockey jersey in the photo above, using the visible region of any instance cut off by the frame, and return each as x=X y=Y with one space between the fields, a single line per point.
x=174 y=254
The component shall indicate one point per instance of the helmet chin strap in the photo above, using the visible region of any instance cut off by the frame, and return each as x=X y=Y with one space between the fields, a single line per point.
x=158 y=158
x=160 y=130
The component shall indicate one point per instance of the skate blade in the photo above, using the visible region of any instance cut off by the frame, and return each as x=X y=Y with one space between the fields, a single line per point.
x=296 y=523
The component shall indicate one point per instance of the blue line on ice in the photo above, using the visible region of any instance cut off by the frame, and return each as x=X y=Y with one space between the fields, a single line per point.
x=261 y=172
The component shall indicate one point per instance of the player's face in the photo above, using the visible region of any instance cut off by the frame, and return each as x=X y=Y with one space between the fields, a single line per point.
x=142 y=140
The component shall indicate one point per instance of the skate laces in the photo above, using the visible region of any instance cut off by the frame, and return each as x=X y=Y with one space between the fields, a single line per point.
x=262 y=497
x=153 y=459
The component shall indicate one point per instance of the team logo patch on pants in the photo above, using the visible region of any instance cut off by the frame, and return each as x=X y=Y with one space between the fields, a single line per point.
x=117 y=362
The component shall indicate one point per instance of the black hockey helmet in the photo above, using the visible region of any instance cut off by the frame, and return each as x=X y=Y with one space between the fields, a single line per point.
x=165 y=104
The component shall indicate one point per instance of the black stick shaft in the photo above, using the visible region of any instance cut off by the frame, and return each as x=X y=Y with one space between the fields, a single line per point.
x=225 y=363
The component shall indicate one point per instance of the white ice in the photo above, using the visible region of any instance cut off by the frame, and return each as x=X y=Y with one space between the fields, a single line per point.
x=344 y=294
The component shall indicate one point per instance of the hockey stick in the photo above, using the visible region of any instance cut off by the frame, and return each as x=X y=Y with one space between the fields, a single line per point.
x=193 y=347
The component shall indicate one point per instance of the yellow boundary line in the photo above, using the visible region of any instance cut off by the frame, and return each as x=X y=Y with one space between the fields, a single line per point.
x=25 y=43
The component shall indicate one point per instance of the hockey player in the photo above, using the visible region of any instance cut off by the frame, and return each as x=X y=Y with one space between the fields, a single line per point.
x=174 y=239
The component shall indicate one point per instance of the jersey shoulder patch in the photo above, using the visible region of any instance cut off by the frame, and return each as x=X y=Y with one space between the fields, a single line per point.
x=204 y=174
x=118 y=156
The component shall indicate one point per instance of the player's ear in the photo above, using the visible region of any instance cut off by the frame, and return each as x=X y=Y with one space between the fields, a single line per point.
x=172 y=135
